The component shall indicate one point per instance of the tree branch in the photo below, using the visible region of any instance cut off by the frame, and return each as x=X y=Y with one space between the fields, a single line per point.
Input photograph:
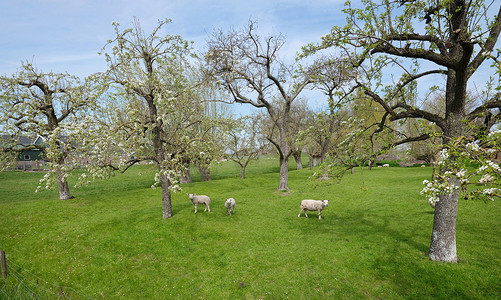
x=401 y=142
x=439 y=59
x=412 y=112
x=494 y=102
x=487 y=47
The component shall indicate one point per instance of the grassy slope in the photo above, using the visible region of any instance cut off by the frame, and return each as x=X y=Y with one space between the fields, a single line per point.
x=111 y=240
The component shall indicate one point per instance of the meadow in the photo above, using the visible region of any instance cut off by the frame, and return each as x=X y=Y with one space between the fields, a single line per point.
x=110 y=241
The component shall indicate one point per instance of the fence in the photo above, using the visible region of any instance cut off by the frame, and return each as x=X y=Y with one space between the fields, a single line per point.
x=26 y=285
x=30 y=165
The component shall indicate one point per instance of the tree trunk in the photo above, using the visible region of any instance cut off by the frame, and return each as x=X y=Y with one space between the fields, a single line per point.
x=371 y=164
x=186 y=176
x=284 y=174
x=64 y=189
x=443 y=238
x=297 y=157
x=205 y=173
x=242 y=172
x=316 y=160
x=166 y=198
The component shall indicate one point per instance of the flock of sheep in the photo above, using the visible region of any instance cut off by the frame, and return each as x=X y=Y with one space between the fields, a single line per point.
x=230 y=204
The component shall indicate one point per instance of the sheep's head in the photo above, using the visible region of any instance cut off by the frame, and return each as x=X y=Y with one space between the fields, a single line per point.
x=191 y=196
x=325 y=202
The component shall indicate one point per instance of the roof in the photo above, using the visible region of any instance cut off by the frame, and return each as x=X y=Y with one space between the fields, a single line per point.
x=7 y=140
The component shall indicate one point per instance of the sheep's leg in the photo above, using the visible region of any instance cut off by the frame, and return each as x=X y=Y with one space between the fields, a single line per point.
x=233 y=209
x=305 y=213
x=195 y=207
x=319 y=214
x=299 y=215
x=207 y=206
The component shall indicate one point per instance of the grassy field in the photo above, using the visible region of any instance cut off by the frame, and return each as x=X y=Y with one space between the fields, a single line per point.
x=110 y=241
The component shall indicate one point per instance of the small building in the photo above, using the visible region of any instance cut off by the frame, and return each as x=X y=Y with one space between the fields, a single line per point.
x=31 y=154
x=29 y=157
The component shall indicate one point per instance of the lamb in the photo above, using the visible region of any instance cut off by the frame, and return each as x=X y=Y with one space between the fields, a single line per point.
x=200 y=199
x=386 y=165
x=230 y=205
x=317 y=205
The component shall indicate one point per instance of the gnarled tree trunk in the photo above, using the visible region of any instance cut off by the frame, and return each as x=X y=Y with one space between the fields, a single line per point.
x=64 y=189
x=283 y=184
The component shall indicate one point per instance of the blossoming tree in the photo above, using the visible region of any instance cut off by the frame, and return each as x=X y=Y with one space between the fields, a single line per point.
x=487 y=175
x=250 y=69
x=52 y=106
x=451 y=40
x=152 y=114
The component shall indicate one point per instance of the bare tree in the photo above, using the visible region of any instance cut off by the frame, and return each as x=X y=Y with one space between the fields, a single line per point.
x=245 y=142
x=248 y=66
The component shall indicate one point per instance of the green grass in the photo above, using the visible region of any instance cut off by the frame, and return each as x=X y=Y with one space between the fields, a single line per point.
x=111 y=241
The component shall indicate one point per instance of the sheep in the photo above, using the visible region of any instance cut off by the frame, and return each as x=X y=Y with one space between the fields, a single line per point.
x=230 y=205
x=200 y=199
x=317 y=205
x=386 y=165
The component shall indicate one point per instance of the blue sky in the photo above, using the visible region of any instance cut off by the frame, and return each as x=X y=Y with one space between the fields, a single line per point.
x=65 y=35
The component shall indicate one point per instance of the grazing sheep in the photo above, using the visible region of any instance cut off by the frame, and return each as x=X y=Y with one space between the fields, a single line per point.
x=317 y=205
x=200 y=199
x=386 y=165
x=230 y=205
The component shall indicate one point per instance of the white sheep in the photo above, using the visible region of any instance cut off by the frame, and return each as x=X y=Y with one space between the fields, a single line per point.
x=200 y=199
x=386 y=165
x=317 y=205
x=230 y=205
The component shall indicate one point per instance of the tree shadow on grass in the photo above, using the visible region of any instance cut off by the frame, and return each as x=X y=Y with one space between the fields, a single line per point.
x=394 y=251
x=360 y=225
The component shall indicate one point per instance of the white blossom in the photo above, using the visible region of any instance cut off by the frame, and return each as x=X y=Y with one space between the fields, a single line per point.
x=491 y=191
x=473 y=147
x=486 y=178
x=443 y=157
